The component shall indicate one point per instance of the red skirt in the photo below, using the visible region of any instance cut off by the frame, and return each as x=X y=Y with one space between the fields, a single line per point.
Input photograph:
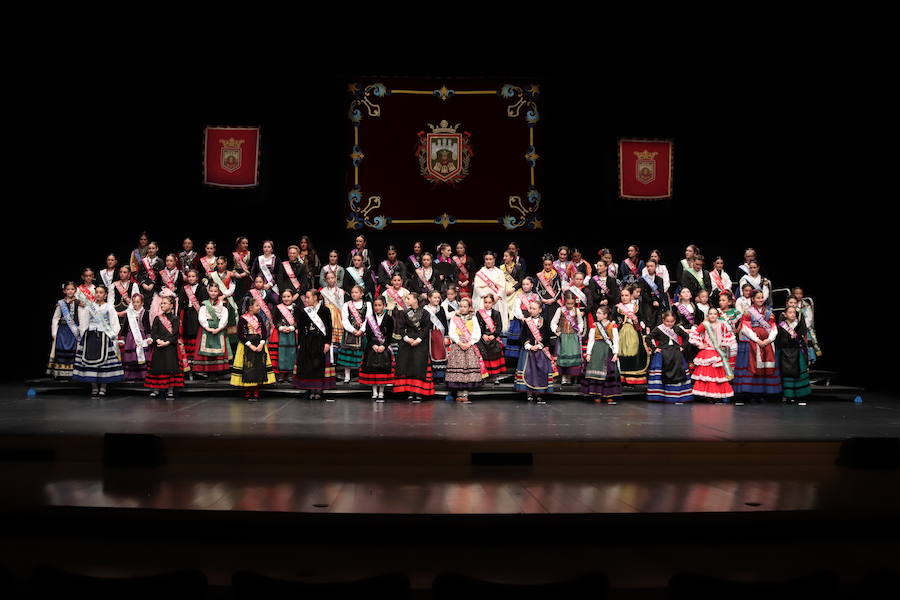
x=416 y=386
x=161 y=382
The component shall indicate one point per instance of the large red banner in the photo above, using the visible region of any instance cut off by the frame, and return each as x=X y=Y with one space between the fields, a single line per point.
x=645 y=169
x=231 y=157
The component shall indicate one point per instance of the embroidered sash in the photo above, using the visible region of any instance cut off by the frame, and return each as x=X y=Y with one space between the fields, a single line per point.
x=166 y=321
x=628 y=312
x=148 y=267
x=354 y=312
x=463 y=271
x=334 y=296
x=670 y=333
x=789 y=328
x=267 y=273
x=222 y=286
x=313 y=313
x=167 y=279
x=605 y=334
x=192 y=297
x=70 y=320
x=602 y=283
x=538 y=338
x=375 y=328
x=388 y=268
x=395 y=296
x=526 y=299
x=421 y=273
x=686 y=312
x=252 y=323
x=287 y=314
x=631 y=266
x=717 y=279
x=652 y=284
x=758 y=319
x=578 y=294
x=415 y=261
x=488 y=320
x=547 y=284
x=699 y=277
x=572 y=321
x=756 y=286
x=126 y=297
x=263 y=305
x=490 y=283
x=241 y=261
x=289 y=269
x=208 y=264
x=106 y=277
x=562 y=268
x=185 y=260
x=358 y=278
x=435 y=322
x=134 y=326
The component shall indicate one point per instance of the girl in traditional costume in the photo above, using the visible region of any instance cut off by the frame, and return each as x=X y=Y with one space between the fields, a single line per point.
x=446 y=269
x=310 y=260
x=394 y=293
x=136 y=339
x=97 y=358
x=702 y=303
x=755 y=279
x=390 y=267
x=439 y=339
x=87 y=284
x=687 y=317
x=267 y=265
x=109 y=273
x=213 y=355
x=377 y=368
x=731 y=316
x=334 y=298
x=361 y=250
x=463 y=264
x=549 y=289
x=686 y=263
x=568 y=324
x=563 y=265
x=314 y=370
x=633 y=352
x=188 y=258
x=712 y=366
x=148 y=273
x=123 y=290
x=656 y=300
x=425 y=279
x=241 y=259
x=490 y=280
x=601 y=371
x=745 y=301
x=252 y=363
x=465 y=363
x=606 y=288
x=285 y=317
x=489 y=345
x=134 y=260
x=661 y=270
x=353 y=344
x=793 y=361
x=670 y=378
x=165 y=372
x=756 y=372
x=612 y=269
x=513 y=274
x=805 y=306
x=222 y=277
x=631 y=267
x=207 y=263
x=65 y=331
x=412 y=372
x=450 y=304
x=720 y=281
x=332 y=266
x=536 y=368
x=358 y=275
x=192 y=297
x=170 y=283
x=414 y=260
x=579 y=265
x=267 y=301
x=518 y=311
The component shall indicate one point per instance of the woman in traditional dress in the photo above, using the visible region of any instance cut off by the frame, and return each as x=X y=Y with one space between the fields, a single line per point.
x=358 y=275
x=731 y=316
x=720 y=281
x=549 y=289
x=712 y=367
x=518 y=311
x=214 y=354
x=192 y=297
x=136 y=339
x=425 y=279
x=579 y=265
x=267 y=265
x=656 y=300
x=414 y=260
x=361 y=250
x=109 y=273
x=292 y=274
x=631 y=267
x=188 y=258
x=170 y=282
x=612 y=269
x=792 y=356
x=138 y=253
x=267 y=301
x=605 y=286
x=634 y=356
x=661 y=270
x=489 y=344
x=353 y=344
x=601 y=371
x=687 y=317
x=756 y=373
x=446 y=270
x=314 y=370
x=670 y=378
x=464 y=266
x=333 y=298
x=223 y=278
x=332 y=266
x=805 y=306
x=412 y=373
x=536 y=369
x=439 y=337
x=563 y=265
x=241 y=259
x=148 y=273
x=744 y=269
x=465 y=363
x=755 y=279
x=377 y=369
x=513 y=248
x=165 y=372
x=390 y=267
x=513 y=274
x=285 y=316
x=686 y=263
x=207 y=263
x=310 y=259
x=568 y=325
x=252 y=363
x=491 y=280
x=97 y=357
x=65 y=331
x=123 y=290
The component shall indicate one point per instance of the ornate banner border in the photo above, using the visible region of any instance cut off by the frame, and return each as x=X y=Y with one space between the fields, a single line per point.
x=365 y=101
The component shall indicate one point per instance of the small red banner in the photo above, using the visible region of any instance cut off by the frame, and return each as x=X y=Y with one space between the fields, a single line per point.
x=231 y=156
x=645 y=169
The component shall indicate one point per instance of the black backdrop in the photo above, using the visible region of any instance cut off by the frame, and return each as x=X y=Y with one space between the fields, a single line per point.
x=784 y=123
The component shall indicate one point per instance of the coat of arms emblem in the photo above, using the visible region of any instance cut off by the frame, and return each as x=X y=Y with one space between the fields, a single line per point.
x=645 y=166
x=444 y=154
x=230 y=154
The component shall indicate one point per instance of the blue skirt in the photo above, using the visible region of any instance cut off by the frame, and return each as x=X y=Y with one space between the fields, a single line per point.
x=60 y=366
x=658 y=391
x=96 y=360
x=513 y=341
x=534 y=373
x=745 y=383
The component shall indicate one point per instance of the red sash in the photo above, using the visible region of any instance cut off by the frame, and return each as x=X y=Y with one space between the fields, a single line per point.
x=126 y=298
x=396 y=297
x=717 y=279
x=192 y=297
x=290 y=273
x=240 y=261
x=262 y=303
x=87 y=292
x=148 y=266
x=488 y=320
x=545 y=281
x=208 y=264
x=286 y=313
x=490 y=283
x=631 y=266
x=463 y=271
x=167 y=323
x=538 y=338
x=168 y=279
x=526 y=300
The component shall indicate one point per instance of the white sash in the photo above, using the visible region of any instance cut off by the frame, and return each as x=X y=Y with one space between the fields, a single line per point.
x=136 y=333
x=107 y=279
x=313 y=313
x=356 y=277
x=435 y=322
x=267 y=273
x=578 y=293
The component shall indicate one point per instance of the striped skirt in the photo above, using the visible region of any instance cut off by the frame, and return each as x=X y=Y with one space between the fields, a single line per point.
x=746 y=383
x=659 y=391
x=96 y=360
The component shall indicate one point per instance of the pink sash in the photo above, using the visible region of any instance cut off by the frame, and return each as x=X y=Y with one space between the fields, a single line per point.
x=466 y=338
x=262 y=303
x=168 y=280
x=463 y=272
x=671 y=333
x=488 y=320
x=631 y=266
x=784 y=325
x=602 y=284
x=717 y=279
x=628 y=312
x=126 y=298
x=148 y=266
x=546 y=283
x=760 y=318
x=356 y=316
x=239 y=261
x=388 y=268
x=538 y=338
x=252 y=322
x=395 y=295
x=494 y=287
x=290 y=273
x=192 y=297
x=376 y=329
x=286 y=313
x=526 y=300
x=208 y=264
x=421 y=274
x=167 y=323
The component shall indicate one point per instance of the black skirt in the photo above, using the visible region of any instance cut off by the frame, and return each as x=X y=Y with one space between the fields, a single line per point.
x=672 y=367
x=254 y=369
x=412 y=361
x=164 y=361
x=311 y=355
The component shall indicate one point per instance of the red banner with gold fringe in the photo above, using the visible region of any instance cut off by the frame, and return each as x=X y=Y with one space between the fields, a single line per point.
x=231 y=157
x=645 y=169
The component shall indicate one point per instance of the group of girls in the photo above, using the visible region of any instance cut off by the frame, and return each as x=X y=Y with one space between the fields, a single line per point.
x=410 y=323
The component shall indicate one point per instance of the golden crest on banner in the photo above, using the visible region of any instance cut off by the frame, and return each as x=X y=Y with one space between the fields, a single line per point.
x=230 y=154
x=645 y=166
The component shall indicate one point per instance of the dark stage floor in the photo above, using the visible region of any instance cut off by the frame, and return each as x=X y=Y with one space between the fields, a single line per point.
x=825 y=418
